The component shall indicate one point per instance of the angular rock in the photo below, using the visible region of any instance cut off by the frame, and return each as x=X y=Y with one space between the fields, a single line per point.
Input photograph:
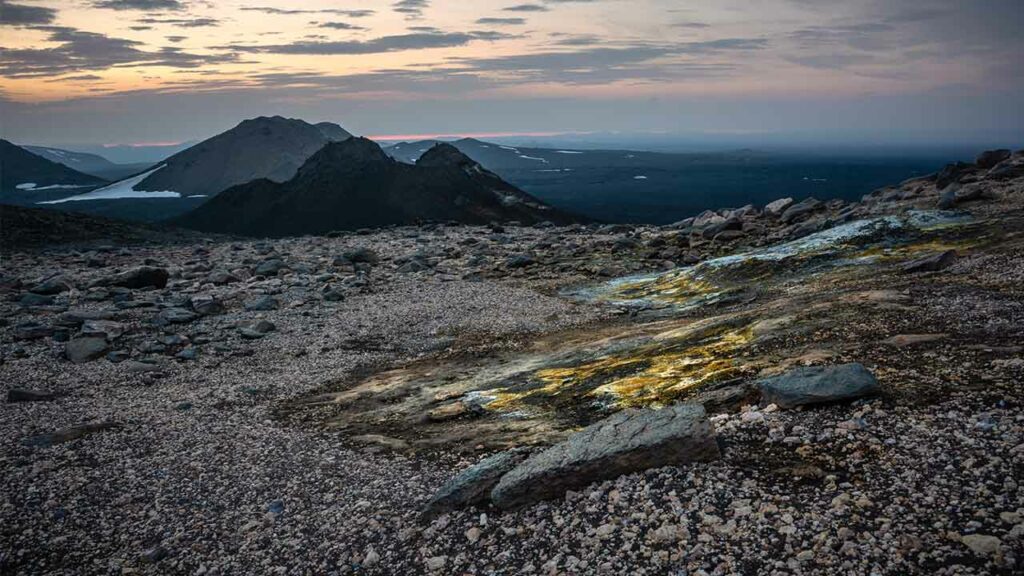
x=141 y=277
x=85 y=349
x=930 y=263
x=817 y=385
x=991 y=158
x=797 y=211
x=629 y=441
x=472 y=486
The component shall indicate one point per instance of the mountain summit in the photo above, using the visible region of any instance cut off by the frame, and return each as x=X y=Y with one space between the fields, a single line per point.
x=355 y=184
x=265 y=147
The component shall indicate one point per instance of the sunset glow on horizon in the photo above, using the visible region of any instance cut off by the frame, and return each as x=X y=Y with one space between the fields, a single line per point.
x=436 y=67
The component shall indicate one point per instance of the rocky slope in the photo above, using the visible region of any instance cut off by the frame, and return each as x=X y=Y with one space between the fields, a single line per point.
x=354 y=184
x=266 y=147
x=291 y=406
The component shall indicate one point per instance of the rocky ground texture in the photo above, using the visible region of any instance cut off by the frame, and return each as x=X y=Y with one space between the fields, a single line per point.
x=148 y=422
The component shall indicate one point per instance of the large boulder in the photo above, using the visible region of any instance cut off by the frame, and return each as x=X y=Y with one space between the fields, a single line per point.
x=629 y=441
x=472 y=486
x=818 y=385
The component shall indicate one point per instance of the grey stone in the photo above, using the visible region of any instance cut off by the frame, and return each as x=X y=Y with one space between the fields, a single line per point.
x=85 y=349
x=102 y=329
x=817 y=385
x=629 y=441
x=472 y=486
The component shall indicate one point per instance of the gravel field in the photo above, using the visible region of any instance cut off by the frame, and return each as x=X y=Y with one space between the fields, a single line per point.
x=181 y=370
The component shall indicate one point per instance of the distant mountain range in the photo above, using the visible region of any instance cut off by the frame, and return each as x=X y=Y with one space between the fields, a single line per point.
x=92 y=164
x=27 y=175
x=355 y=184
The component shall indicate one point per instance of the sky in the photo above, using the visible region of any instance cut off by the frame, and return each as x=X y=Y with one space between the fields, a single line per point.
x=139 y=72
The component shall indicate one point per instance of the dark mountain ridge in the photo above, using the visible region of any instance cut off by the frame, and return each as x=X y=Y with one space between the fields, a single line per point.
x=355 y=184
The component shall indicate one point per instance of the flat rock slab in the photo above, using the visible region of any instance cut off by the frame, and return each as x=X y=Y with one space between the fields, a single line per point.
x=629 y=441
x=817 y=385
x=472 y=486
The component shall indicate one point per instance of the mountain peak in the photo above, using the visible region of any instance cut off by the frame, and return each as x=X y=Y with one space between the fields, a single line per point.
x=354 y=152
x=444 y=154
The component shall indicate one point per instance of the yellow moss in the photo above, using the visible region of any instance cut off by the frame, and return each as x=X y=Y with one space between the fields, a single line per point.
x=653 y=375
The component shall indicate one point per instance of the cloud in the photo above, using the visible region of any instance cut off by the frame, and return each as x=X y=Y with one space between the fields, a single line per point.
x=526 y=8
x=182 y=22
x=78 y=50
x=413 y=9
x=140 y=4
x=22 y=15
x=397 y=43
x=502 y=21
x=289 y=11
x=338 y=25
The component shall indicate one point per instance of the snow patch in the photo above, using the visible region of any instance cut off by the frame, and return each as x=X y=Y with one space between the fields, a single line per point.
x=118 y=190
x=33 y=186
x=568 y=152
x=525 y=157
x=640 y=177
